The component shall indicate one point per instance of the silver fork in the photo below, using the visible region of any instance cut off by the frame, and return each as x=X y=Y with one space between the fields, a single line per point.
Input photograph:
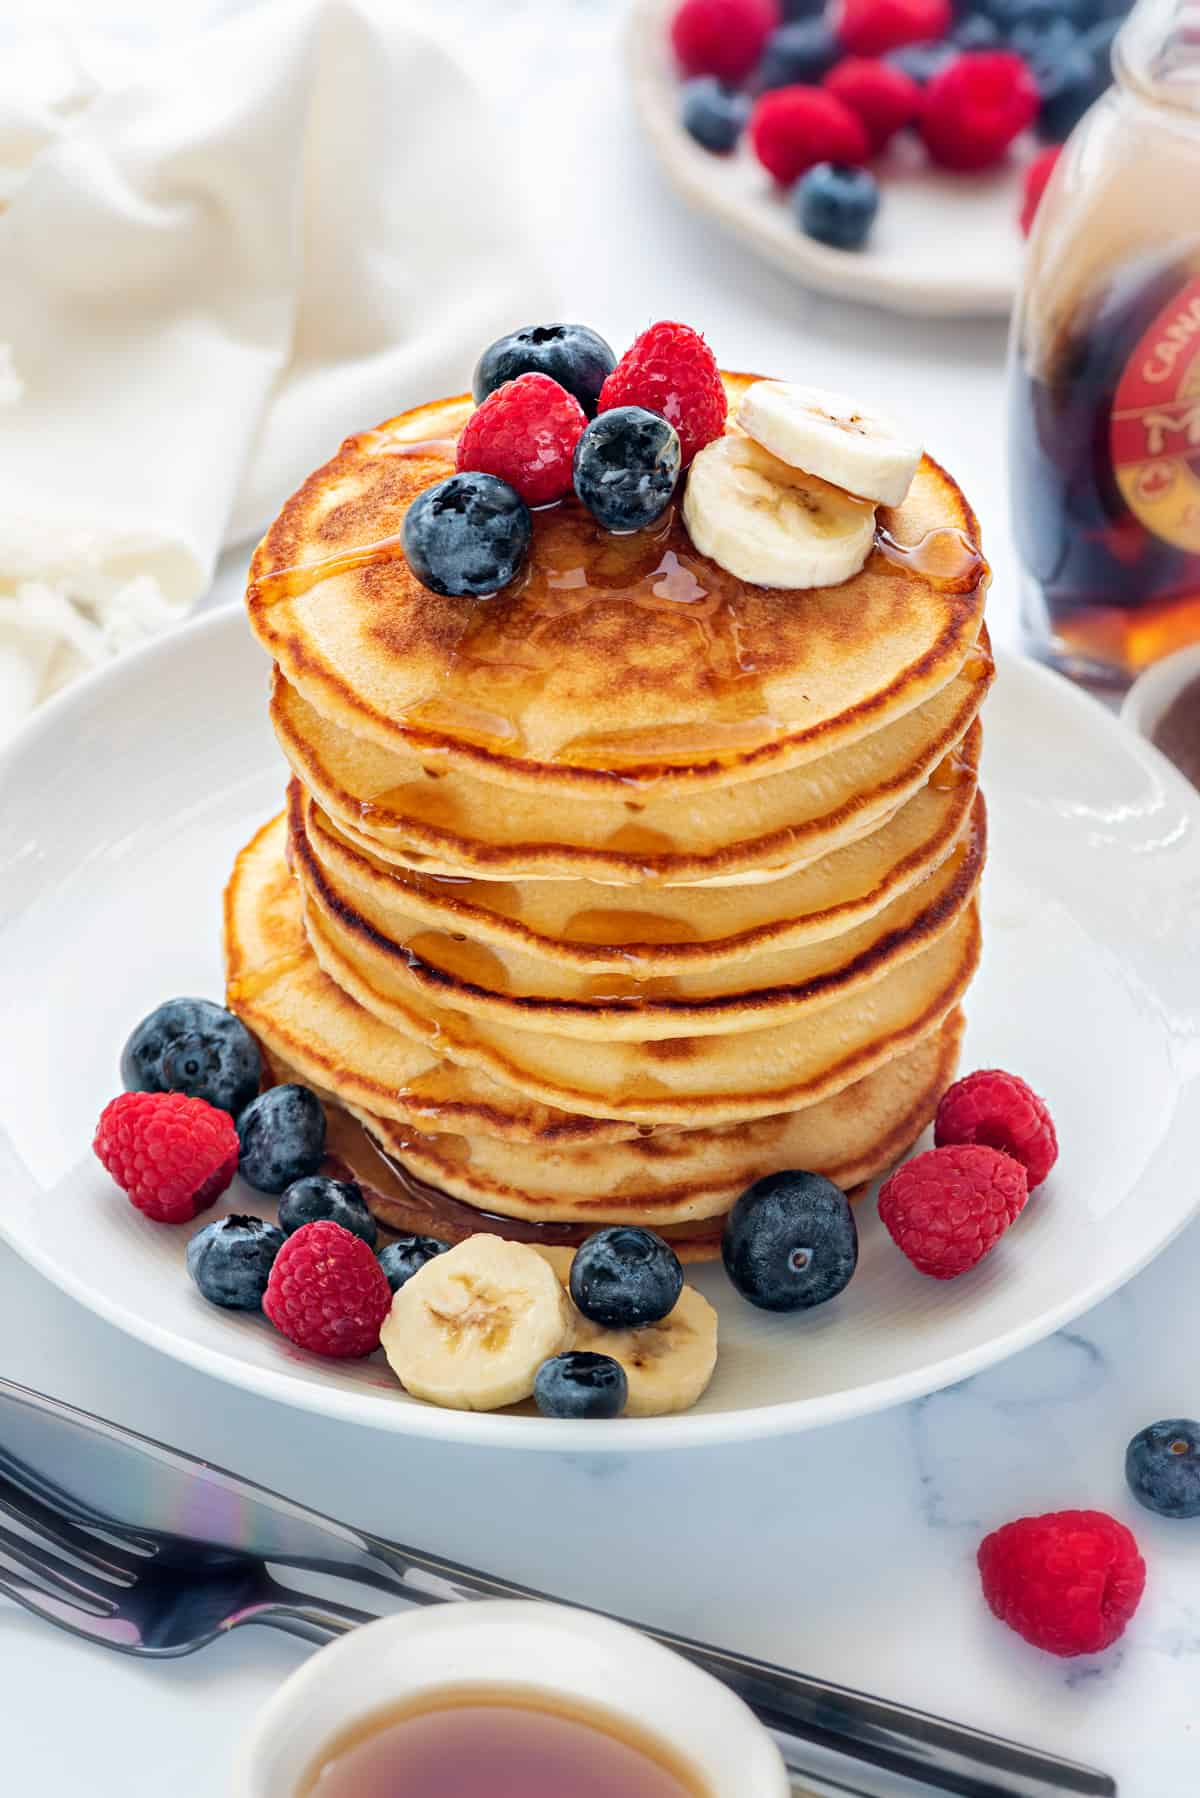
x=104 y=1569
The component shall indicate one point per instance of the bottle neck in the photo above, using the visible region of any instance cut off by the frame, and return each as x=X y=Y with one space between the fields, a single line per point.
x=1157 y=53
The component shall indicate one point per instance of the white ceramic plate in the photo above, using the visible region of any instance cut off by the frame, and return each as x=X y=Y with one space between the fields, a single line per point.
x=123 y=805
x=943 y=245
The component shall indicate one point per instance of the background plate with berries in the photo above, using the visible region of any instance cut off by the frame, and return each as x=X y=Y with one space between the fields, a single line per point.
x=947 y=164
x=1090 y=991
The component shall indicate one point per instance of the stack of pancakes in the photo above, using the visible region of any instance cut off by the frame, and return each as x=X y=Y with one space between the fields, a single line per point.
x=599 y=898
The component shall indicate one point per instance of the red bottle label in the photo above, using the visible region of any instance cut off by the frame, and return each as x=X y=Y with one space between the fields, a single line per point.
x=1154 y=427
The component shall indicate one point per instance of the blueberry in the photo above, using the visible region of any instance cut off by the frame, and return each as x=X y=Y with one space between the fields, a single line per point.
x=230 y=1261
x=626 y=465
x=581 y=1385
x=921 y=61
x=282 y=1134
x=803 y=51
x=1068 y=87
x=790 y=1242
x=574 y=356
x=1043 y=42
x=976 y=31
x=317 y=1196
x=1097 y=40
x=469 y=534
x=193 y=1046
x=802 y=9
x=625 y=1277
x=836 y=204
x=401 y=1259
x=1162 y=1465
x=712 y=113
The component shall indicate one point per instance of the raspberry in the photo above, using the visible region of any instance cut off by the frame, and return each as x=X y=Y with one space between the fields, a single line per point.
x=671 y=371
x=327 y=1292
x=883 y=96
x=722 y=37
x=1068 y=1582
x=873 y=27
x=1000 y=1110
x=525 y=432
x=172 y=1154
x=1037 y=176
x=974 y=108
x=945 y=1209
x=793 y=128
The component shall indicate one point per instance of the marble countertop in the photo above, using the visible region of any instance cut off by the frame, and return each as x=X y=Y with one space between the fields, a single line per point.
x=847 y=1552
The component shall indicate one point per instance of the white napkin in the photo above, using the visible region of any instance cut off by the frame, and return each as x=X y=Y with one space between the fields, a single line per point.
x=217 y=260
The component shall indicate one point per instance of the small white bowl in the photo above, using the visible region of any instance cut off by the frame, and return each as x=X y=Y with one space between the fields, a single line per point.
x=1155 y=691
x=544 y=1648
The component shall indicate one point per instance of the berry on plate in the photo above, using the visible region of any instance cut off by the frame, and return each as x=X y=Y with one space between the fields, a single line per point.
x=625 y=1277
x=884 y=97
x=580 y=1385
x=669 y=369
x=722 y=37
x=1037 y=179
x=1162 y=1466
x=947 y=1208
x=975 y=107
x=921 y=62
x=525 y=432
x=401 y=1259
x=790 y=1242
x=317 y=1196
x=172 y=1154
x=626 y=467
x=468 y=534
x=282 y=1134
x=712 y=113
x=800 y=52
x=836 y=205
x=193 y=1046
x=872 y=27
x=231 y=1260
x=327 y=1292
x=573 y=355
x=1067 y=1582
x=792 y=128
x=996 y=1108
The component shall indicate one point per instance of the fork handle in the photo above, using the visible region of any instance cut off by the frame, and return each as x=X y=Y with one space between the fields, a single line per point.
x=950 y=1757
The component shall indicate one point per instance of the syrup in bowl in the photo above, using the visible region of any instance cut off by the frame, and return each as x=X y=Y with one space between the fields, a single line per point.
x=498 y=1742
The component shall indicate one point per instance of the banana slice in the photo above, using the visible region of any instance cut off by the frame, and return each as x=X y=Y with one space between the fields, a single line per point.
x=470 y=1329
x=828 y=435
x=771 y=524
x=668 y=1364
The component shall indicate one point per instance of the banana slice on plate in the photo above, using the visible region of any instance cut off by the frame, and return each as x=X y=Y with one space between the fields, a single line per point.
x=772 y=524
x=470 y=1329
x=829 y=436
x=668 y=1364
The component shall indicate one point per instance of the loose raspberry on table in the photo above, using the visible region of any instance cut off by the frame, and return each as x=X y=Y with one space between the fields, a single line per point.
x=998 y=1109
x=172 y=1154
x=671 y=371
x=722 y=37
x=327 y=1292
x=883 y=96
x=1068 y=1582
x=873 y=27
x=525 y=432
x=947 y=1208
x=1037 y=178
x=974 y=108
x=794 y=128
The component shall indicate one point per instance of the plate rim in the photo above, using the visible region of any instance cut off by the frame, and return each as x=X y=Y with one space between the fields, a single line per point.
x=379 y=1410
x=816 y=266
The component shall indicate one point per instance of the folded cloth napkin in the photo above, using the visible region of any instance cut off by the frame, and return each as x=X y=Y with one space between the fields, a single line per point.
x=218 y=258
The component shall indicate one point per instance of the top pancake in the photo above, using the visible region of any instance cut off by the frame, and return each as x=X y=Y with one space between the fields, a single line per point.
x=611 y=658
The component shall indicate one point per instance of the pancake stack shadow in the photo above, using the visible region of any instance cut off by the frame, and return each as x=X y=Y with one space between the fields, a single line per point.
x=594 y=901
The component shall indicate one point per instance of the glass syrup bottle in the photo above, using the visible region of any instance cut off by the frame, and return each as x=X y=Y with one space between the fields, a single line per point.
x=1104 y=370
